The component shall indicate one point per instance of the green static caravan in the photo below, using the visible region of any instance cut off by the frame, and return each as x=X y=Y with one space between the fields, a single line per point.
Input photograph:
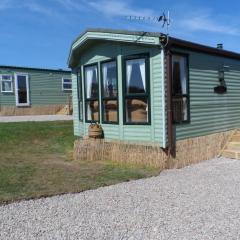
x=25 y=90
x=145 y=87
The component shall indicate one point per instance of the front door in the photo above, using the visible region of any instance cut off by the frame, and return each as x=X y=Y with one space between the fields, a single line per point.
x=22 y=89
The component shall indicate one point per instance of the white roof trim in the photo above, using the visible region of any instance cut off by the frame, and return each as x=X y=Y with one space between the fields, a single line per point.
x=117 y=37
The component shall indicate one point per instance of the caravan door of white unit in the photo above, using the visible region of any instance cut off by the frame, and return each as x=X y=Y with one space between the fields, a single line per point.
x=22 y=89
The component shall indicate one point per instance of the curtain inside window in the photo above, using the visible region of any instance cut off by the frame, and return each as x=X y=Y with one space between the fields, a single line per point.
x=136 y=80
x=179 y=75
x=89 y=78
x=143 y=73
x=94 y=84
x=177 y=88
x=183 y=76
x=109 y=79
x=129 y=74
x=91 y=82
x=105 y=78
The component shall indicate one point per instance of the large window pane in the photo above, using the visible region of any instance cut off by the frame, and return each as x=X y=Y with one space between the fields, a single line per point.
x=180 y=109
x=179 y=75
x=137 y=110
x=110 y=110
x=136 y=76
x=22 y=89
x=91 y=93
x=109 y=73
x=180 y=95
x=92 y=110
x=109 y=92
x=91 y=82
x=136 y=94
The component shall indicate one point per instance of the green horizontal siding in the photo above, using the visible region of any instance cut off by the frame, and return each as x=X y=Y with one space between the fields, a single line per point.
x=211 y=112
x=45 y=87
x=156 y=97
x=77 y=127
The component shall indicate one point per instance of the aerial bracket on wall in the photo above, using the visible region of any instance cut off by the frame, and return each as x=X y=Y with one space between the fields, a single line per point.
x=220 y=89
x=163 y=39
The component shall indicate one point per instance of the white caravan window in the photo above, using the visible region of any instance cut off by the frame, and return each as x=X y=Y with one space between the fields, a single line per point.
x=66 y=84
x=6 y=83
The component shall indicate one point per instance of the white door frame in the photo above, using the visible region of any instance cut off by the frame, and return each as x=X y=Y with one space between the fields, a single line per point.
x=16 y=89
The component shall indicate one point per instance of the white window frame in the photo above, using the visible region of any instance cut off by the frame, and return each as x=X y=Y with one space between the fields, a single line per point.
x=11 y=80
x=16 y=90
x=66 y=89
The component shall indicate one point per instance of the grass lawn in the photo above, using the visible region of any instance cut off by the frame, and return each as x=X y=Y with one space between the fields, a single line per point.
x=36 y=160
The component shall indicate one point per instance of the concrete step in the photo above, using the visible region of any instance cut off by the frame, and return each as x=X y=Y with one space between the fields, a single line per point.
x=233 y=144
x=235 y=138
x=231 y=154
x=232 y=148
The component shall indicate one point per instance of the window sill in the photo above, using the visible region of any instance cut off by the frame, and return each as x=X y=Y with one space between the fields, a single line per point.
x=137 y=124
x=6 y=91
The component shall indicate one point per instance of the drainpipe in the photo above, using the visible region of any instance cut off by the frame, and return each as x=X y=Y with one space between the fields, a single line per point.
x=167 y=61
x=169 y=100
x=164 y=133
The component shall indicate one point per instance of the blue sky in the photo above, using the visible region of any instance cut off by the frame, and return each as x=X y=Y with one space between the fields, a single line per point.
x=38 y=33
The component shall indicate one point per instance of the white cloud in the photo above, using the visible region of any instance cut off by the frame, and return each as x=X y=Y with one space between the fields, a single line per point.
x=37 y=8
x=73 y=5
x=119 y=8
x=108 y=8
x=31 y=5
x=207 y=23
x=68 y=4
x=34 y=6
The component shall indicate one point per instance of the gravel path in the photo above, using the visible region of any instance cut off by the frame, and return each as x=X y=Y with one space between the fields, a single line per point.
x=197 y=202
x=35 y=118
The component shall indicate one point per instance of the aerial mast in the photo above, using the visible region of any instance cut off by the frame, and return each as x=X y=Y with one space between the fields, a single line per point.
x=164 y=19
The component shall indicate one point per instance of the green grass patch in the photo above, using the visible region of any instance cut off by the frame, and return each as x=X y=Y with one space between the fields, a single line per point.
x=36 y=160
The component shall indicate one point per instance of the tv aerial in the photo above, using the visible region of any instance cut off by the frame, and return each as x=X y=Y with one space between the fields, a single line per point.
x=164 y=19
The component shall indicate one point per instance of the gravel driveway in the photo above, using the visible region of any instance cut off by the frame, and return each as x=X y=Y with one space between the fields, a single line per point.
x=197 y=202
x=35 y=118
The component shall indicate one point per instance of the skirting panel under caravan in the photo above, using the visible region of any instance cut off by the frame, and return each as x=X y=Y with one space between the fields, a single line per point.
x=33 y=110
x=187 y=151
